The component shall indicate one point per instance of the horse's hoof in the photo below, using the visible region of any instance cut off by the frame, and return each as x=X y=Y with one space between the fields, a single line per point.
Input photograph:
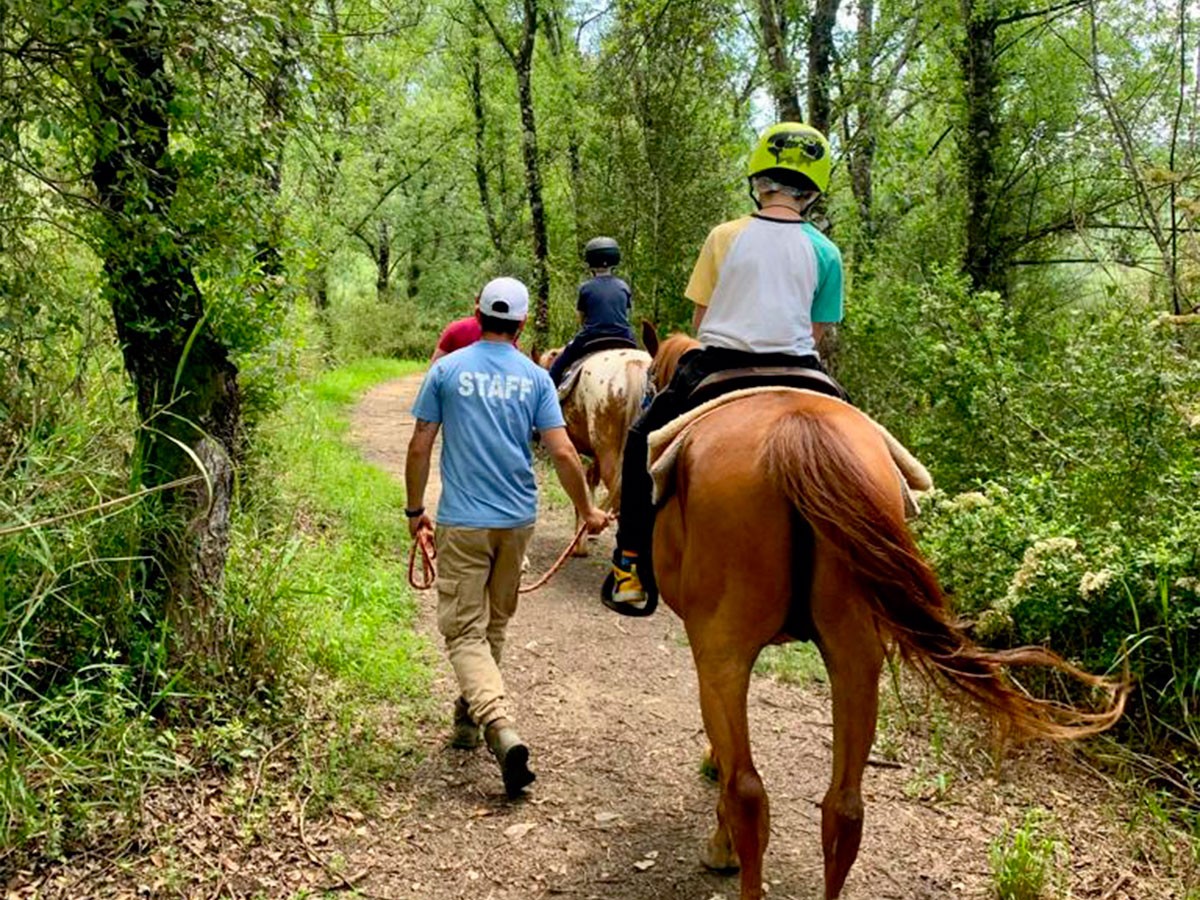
x=722 y=860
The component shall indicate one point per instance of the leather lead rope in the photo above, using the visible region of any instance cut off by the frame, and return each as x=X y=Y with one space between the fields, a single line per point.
x=558 y=563
x=424 y=542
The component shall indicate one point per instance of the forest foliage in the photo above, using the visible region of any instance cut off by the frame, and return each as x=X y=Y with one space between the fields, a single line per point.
x=201 y=204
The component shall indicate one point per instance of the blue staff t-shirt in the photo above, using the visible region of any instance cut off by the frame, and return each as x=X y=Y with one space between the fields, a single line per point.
x=488 y=398
x=605 y=302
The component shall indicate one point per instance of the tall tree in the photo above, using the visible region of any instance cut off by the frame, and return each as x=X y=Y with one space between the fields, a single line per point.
x=474 y=75
x=774 y=27
x=820 y=55
x=520 y=55
x=185 y=382
x=983 y=255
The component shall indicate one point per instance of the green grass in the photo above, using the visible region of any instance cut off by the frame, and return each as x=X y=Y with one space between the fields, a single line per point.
x=346 y=571
x=327 y=537
x=797 y=663
x=1024 y=860
x=551 y=490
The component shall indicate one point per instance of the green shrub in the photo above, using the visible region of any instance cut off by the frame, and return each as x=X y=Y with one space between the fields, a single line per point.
x=1023 y=860
x=1066 y=454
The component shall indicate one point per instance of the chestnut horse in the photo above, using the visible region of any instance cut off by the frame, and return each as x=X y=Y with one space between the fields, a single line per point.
x=605 y=400
x=784 y=499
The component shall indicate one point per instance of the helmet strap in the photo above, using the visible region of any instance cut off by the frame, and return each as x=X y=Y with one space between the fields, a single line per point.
x=753 y=195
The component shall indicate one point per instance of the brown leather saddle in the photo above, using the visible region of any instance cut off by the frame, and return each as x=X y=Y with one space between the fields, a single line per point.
x=731 y=380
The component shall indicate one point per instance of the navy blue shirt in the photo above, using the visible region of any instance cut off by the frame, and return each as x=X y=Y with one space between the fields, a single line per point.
x=605 y=302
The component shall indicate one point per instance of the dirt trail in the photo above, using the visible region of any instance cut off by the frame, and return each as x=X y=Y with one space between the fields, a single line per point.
x=619 y=810
x=609 y=708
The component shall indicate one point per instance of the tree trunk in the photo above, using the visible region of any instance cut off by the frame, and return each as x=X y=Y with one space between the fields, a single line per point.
x=820 y=56
x=865 y=143
x=537 y=212
x=185 y=384
x=383 y=261
x=782 y=78
x=983 y=260
x=269 y=254
x=475 y=84
x=574 y=166
x=521 y=58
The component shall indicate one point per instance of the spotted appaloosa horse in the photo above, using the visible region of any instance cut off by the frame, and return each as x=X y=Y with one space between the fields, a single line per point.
x=792 y=498
x=605 y=400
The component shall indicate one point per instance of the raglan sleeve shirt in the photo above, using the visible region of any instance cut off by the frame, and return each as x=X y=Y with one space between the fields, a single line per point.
x=828 y=305
x=704 y=273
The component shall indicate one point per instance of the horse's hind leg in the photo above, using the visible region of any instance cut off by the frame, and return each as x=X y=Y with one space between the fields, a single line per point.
x=853 y=657
x=742 y=812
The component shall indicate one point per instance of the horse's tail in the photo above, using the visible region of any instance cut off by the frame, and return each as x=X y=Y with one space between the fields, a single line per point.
x=816 y=468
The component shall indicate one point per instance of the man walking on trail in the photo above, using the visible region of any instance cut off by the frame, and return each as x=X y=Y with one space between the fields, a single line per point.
x=489 y=398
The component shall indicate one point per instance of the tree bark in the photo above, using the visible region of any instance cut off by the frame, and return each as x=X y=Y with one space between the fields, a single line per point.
x=865 y=143
x=475 y=85
x=185 y=384
x=774 y=29
x=820 y=56
x=537 y=211
x=521 y=58
x=383 y=261
x=983 y=260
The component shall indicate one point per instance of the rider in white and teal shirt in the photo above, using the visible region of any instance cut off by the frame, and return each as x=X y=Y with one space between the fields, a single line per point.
x=764 y=286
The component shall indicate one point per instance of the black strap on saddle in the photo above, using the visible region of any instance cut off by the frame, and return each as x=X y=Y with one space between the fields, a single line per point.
x=730 y=380
x=608 y=342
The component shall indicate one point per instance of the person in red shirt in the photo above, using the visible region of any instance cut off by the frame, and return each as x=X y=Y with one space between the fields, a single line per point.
x=461 y=333
x=458 y=334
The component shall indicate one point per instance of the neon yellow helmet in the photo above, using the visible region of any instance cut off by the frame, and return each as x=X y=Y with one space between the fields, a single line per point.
x=793 y=147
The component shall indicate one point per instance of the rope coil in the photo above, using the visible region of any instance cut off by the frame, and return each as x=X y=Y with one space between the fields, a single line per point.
x=424 y=542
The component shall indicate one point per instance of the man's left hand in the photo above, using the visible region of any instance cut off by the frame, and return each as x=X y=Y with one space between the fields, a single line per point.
x=421 y=521
x=597 y=520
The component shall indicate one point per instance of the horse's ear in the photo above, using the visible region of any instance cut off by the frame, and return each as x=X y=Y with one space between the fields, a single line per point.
x=650 y=337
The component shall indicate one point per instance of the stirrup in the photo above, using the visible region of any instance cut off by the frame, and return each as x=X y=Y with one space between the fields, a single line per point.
x=633 y=610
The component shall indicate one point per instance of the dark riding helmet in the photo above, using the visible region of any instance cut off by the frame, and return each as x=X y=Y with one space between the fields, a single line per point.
x=601 y=253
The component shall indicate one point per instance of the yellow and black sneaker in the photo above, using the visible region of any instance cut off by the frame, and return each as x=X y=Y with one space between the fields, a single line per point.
x=627 y=586
x=627 y=590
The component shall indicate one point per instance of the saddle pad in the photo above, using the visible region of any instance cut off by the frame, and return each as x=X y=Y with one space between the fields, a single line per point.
x=665 y=444
x=570 y=377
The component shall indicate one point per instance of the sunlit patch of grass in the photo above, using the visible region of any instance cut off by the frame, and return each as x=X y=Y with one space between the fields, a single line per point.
x=347 y=575
x=1024 y=860
x=798 y=663
x=550 y=489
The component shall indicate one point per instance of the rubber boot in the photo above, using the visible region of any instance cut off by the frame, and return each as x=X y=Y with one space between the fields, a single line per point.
x=511 y=754
x=466 y=730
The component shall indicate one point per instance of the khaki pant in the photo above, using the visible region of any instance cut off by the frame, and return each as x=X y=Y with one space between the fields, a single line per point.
x=479 y=571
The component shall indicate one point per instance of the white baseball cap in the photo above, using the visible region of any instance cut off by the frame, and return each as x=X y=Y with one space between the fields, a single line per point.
x=505 y=298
